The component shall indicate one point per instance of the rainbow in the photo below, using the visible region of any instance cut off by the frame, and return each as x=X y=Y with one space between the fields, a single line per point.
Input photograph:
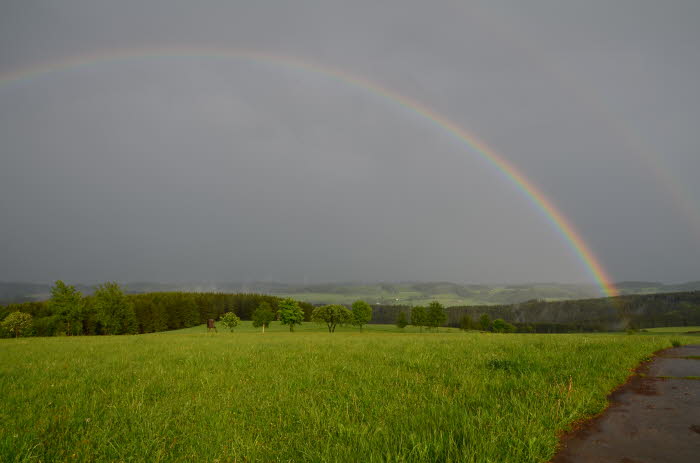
x=508 y=170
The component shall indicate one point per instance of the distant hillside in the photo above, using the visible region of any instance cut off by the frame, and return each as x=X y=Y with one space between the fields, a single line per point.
x=402 y=293
x=14 y=292
x=600 y=314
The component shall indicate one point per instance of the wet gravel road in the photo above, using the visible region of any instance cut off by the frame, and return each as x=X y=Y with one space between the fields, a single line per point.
x=654 y=418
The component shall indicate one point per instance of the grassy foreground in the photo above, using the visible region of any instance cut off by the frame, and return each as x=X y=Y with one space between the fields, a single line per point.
x=314 y=396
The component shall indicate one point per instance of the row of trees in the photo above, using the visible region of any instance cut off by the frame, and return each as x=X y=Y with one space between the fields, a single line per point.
x=335 y=314
x=290 y=313
x=110 y=311
x=581 y=315
x=485 y=324
x=432 y=316
x=435 y=315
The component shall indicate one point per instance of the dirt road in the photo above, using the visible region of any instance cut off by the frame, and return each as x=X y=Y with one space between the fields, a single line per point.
x=654 y=418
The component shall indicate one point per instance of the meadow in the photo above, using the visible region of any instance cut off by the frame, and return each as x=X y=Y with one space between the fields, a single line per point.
x=379 y=395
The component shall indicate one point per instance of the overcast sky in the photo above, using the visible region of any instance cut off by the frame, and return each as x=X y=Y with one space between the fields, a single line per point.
x=196 y=168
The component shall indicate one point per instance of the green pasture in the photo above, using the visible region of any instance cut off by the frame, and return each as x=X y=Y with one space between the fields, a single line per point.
x=379 y=395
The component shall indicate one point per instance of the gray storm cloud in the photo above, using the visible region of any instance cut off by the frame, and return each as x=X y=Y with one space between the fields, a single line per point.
x=207 y=168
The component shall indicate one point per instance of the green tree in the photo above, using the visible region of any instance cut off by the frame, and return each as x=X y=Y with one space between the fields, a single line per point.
x=67 y=304
x=160 y=316
x=332 y=315
x=485 y=322
x=17 y=323
x=502 y=326
x=435 y=315
x=401 y=320
x=189 y=312
x=290 y=313
x=230 y=320
x=115 y=311
x=466 y=323
x=419 y=317
x=263 y=315
x=361 y=313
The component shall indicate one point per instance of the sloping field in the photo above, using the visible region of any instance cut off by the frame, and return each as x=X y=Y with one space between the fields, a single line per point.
x=312 y=396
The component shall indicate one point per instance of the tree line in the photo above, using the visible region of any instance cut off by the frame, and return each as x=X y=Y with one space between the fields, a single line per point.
x=582 y=315
x=110 y=311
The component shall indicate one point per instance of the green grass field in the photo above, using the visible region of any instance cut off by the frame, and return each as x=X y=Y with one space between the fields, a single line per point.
x=306 y=396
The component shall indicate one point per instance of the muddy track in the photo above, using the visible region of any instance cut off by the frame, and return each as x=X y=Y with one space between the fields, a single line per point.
x=654 y=417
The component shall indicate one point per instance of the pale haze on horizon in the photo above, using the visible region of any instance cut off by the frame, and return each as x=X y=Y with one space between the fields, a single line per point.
x=181 y=166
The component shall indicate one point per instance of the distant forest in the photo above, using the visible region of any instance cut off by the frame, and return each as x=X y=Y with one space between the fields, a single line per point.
x=161 y=311
x=583 y=315
x=153 y=312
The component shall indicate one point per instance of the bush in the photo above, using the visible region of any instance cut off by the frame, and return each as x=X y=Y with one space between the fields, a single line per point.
x=676 y=343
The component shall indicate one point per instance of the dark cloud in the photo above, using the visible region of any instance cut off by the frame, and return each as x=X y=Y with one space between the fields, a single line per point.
x=207 y=168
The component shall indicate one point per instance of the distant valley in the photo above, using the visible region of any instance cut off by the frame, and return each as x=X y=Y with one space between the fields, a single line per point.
x=401 y=293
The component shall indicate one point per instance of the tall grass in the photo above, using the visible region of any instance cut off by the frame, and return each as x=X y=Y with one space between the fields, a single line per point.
x=312 y=396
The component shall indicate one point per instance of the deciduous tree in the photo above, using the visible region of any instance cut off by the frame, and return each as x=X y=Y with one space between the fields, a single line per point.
x=419 y=317
x=485 y=322
x=290 y=313
x=401 y=320
x=466 y=323
x=66 y=303
x=332 y=315
x=263 y=315
x=230 y=320
x=361 y=313
x=435 y=315
x=501 y=326
x=115 y=311
x=17 y=323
